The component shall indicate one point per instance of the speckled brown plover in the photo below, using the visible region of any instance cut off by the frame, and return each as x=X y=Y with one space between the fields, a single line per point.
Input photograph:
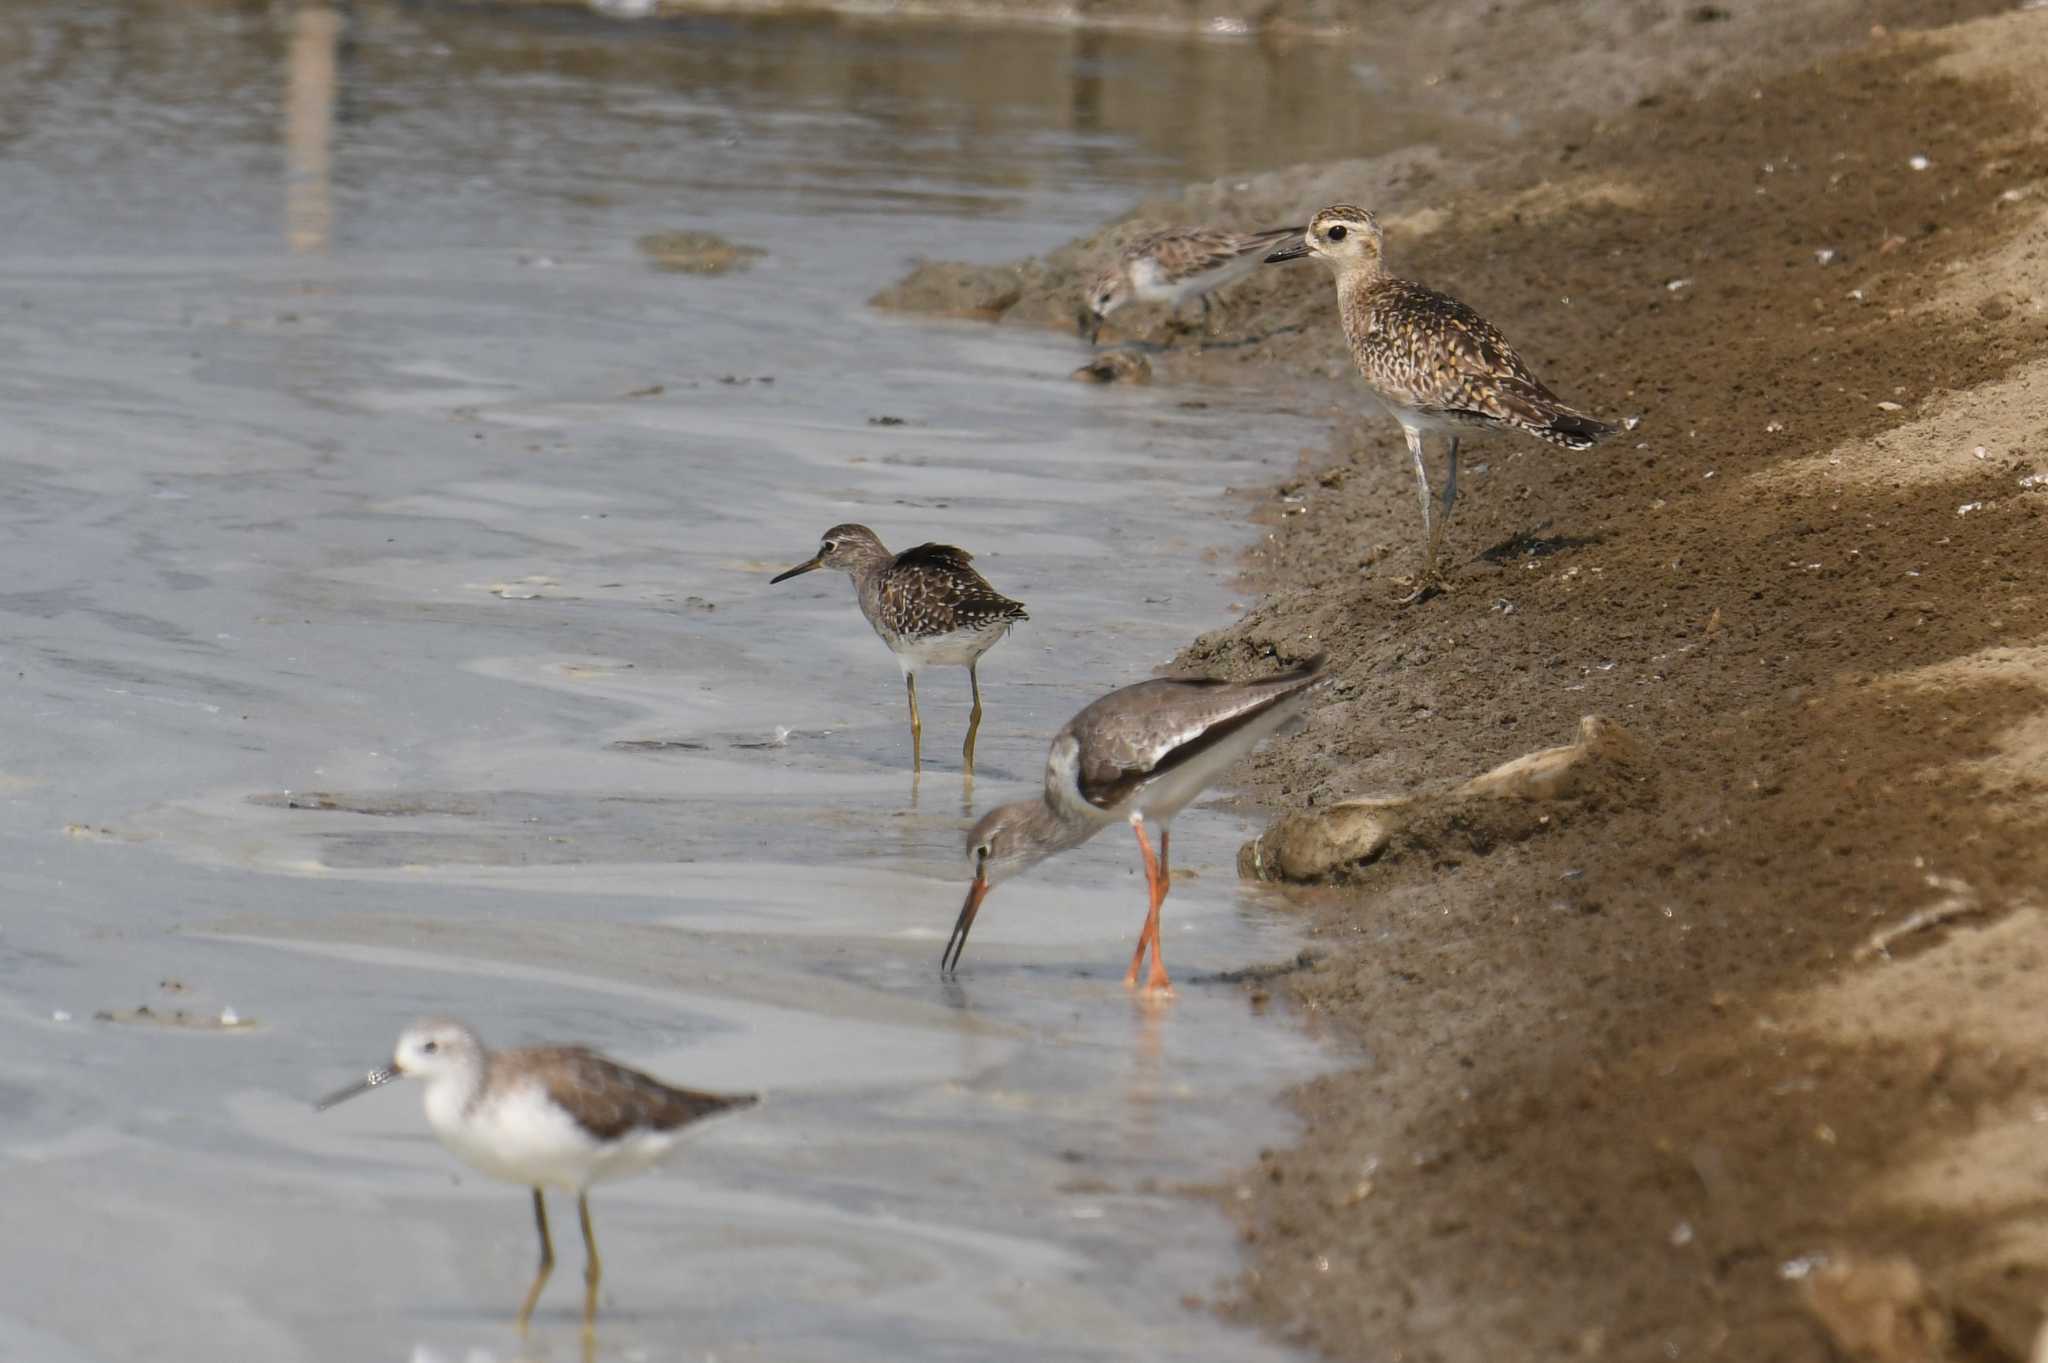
x=1435 y=363
x=1139 y=756
x=1174 y=266
x=930 y=607
x=545 y=1116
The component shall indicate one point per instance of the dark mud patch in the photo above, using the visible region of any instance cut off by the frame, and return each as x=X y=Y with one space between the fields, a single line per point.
x=393 y=806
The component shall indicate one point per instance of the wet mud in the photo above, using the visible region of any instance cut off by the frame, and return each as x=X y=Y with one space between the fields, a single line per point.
x=1609 y=1113
x=1643 y=1060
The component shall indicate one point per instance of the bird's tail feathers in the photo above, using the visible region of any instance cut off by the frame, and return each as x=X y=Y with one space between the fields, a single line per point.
x=1574 y=430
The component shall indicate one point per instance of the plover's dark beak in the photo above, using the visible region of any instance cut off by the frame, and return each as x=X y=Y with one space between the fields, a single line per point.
x=949 y=960
x=1285 y=253
x=1088 y=323
x=374 y=1079
x=797 y=571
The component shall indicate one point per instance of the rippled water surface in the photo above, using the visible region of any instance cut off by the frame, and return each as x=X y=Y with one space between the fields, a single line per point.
x=385 y=610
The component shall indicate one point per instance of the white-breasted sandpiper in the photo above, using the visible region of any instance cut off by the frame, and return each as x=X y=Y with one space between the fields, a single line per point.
x=545 y=1116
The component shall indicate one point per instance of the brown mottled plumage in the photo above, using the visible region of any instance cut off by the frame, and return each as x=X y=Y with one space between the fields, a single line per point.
x=1435 y=363
x=544 y=1116
x=929 y=606
x=1176 y=265
x=605 y=1098
x=1138 y=755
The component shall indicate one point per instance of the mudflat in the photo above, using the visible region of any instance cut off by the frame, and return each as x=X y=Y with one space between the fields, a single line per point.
x=1734 y=1050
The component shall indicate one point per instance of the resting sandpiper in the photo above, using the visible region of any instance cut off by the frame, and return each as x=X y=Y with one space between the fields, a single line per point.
x=1139 y=755
x=1435 y=363
x=545 y=1116
x=1173 y=266
x=930 y=607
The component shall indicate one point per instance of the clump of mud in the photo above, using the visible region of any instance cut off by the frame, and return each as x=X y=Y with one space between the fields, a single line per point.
x=696 y=252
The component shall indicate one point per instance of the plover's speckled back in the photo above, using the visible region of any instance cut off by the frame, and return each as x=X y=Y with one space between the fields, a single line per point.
x=1139 y=756
x=1435 y=363
x=545 y=1116
x=1176 y=265
x=929 y=606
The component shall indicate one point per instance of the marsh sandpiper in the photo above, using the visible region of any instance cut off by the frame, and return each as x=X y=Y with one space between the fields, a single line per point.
x=929 y=606
x=545 y=1116
x=1436 y=364
x=1138 y=755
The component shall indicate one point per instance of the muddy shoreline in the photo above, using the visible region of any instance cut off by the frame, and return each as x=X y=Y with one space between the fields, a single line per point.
x=1739 y=1057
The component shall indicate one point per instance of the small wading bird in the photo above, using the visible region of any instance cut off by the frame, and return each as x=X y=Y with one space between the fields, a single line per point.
x=930 y=607
x=1139 y=756
x=1436 y=364
x=545 y=1116
x=1173 y=266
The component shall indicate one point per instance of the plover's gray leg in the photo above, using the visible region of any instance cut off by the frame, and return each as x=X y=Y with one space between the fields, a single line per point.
x=1443 y=514
x=1413 y=434
x=1432 y=525
x=547 y=1260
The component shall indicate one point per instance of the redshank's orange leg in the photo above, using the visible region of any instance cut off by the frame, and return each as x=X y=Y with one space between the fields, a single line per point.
x=1152 y=904
x=1158 y=980
x=1155 y=882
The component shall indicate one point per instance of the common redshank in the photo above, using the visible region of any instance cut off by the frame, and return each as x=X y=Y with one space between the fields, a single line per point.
x=1436 y=364
x=929 y=605
x=1139 y=756
x=545 y=1116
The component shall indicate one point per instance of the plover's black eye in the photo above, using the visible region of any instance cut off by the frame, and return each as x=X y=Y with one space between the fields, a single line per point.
x=829 y=545
x=1336 y=233
x=430 y=1047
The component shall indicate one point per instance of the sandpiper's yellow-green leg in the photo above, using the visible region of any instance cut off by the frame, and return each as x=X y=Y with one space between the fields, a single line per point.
x=547 y=1261
x=593 y=1267
x=916 y=727
x=973 y=718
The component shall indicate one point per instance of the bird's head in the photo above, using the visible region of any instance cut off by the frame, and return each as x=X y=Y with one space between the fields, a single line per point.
x=844 y=547
x=1346 y=238
x=1008 y=839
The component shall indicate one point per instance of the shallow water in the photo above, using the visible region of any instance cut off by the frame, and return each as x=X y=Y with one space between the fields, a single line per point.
x=382 y=642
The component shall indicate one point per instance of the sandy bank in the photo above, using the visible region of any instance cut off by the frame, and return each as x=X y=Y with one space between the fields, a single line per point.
x=1638 y=1064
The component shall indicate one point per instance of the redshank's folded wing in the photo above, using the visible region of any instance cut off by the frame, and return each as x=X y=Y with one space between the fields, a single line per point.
x=1141 y=732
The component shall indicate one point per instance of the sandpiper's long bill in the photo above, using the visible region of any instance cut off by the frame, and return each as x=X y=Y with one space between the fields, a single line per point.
x=544 y=1116
x=1174 y=266
x=1434 y=363
x=929 y=606
x=1139 y=756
